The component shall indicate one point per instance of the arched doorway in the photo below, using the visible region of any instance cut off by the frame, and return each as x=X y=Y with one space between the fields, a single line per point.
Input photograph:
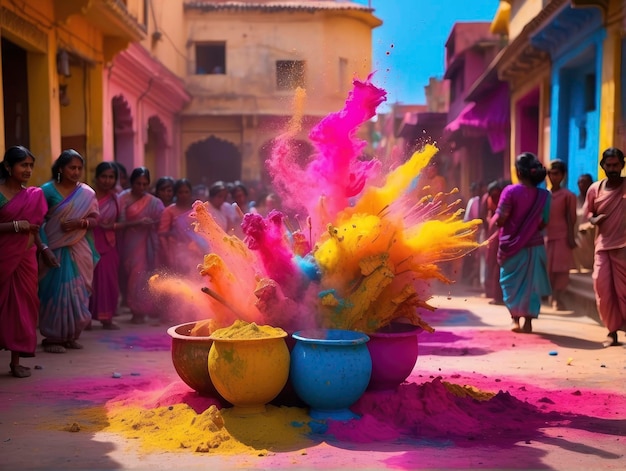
x=155 y=148
x=213 y=159
x=123 y=134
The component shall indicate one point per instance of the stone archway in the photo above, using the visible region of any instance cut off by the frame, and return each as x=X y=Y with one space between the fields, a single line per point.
x=213 y=159
x=123 y=134
x=155 y=148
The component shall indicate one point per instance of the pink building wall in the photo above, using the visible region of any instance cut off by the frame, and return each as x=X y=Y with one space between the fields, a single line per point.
x=142 y=101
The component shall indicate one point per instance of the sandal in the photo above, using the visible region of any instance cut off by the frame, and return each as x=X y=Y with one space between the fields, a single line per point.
x=54 y=348
x=74 y=345
x=19 y=371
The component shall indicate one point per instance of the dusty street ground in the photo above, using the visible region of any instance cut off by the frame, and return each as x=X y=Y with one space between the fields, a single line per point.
x=574 y=392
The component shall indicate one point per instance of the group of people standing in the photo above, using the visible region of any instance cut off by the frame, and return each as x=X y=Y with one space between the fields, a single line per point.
x=535 y=236
x=48 y=255
x=70 y=251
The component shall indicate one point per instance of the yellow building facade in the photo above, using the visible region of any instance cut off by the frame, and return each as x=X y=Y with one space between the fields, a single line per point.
x=129 y=80
x=245 y=62
x=54 y=54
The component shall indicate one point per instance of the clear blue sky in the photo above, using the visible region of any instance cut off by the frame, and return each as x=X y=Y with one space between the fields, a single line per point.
x=409 y=46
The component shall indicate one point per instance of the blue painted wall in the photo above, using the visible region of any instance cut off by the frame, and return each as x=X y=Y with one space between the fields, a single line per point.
x=575 y=104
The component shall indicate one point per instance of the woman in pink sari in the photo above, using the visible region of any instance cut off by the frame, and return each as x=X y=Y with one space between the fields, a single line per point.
x=184 y=249
x=140 y=214
x=492 y=270
x=106 y=291
x=64 y=290
x=21 y=213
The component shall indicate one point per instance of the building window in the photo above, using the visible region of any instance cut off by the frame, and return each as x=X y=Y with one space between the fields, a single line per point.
x=289 y=75
x=343 y=74
x=146 y=6
x=590 y=92
x=211 y=58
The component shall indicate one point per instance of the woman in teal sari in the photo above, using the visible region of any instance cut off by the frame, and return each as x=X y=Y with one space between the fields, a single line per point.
x=522 y=214
x=64 y=290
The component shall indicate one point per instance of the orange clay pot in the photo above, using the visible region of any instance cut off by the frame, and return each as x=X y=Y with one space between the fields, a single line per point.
x=189 y=356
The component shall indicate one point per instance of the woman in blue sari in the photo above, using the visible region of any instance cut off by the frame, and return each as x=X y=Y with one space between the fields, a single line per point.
x=522 y=214
x=64 y=290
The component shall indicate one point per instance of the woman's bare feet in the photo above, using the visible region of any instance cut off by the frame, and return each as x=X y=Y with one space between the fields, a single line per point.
x=19 y=371
x=74 y=345
x=528 y=325
x=515 y=327
x=611 y=340
x=52 y=347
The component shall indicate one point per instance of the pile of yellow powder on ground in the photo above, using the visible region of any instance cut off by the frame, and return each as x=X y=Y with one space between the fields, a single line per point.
x=180 y=428
x=247 y=330
x=468 y=391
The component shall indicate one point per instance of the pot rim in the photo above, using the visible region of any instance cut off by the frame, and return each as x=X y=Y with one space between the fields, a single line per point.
x=248 y=339
x=320 y=335
x=397 y=329
x=172 y=332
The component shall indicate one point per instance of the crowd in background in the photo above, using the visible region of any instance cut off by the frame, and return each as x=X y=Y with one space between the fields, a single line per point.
x=72 y=253
x=534 y=237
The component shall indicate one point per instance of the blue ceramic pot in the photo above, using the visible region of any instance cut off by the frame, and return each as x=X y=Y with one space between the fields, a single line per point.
x=330 y=370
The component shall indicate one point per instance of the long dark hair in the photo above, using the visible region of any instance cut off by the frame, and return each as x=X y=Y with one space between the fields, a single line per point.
x=530 y=168
x=103 y=166
x=12 y=156
x=163 y=182
x=65 y=158
x=181 y=183
x=139 y=172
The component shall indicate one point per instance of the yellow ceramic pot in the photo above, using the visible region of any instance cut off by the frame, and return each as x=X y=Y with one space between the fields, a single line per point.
x=249 y=373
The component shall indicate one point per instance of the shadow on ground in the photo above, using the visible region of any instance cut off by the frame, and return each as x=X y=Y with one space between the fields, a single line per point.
x=570 y=342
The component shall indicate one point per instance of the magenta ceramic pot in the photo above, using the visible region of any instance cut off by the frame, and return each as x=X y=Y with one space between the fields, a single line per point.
x=394 y=353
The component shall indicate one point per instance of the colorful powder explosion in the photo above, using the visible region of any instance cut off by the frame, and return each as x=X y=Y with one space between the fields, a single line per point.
x=367 y=251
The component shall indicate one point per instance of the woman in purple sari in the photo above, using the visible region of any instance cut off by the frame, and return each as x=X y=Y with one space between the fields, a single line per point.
x=64 y=290
x=140 y=215
x=106 y=291
x=184 y=249
x=21 y=213
x=522 y=214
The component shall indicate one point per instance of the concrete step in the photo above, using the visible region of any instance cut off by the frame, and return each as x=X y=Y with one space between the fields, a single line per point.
x=580 y=297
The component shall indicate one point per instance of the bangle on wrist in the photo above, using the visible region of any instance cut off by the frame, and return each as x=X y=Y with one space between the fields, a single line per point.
x=16 y=226
x=44 y=248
